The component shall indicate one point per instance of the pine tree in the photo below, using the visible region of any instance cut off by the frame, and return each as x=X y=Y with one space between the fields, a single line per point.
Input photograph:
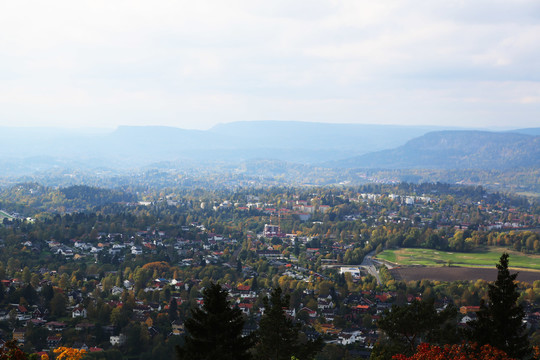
x=500 y=321
x=173 y=310
x=215 y=331
x=278 y=336
x=406 y=326
x=239 y=265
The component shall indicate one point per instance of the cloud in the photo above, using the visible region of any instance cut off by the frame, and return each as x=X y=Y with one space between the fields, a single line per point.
x=196 y=63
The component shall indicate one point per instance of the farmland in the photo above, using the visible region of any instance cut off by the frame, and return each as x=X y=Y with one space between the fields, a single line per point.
x=457 y=274
x=485 y=257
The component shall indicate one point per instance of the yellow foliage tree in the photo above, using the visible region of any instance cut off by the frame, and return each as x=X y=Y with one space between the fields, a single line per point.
x=66 y=353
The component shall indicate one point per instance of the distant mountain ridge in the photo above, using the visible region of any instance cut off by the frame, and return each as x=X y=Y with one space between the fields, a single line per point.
x=238 y=141
x=24 y=151
x=527 y=131
x=455 y=150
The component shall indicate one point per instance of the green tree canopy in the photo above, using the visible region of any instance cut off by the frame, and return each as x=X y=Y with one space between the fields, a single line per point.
x=215 y=330
x=500 y=322
x=406 y=326
x=278 y=336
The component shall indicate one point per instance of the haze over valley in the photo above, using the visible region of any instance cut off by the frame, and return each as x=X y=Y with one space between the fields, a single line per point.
x=308 y=180
x=281 y=152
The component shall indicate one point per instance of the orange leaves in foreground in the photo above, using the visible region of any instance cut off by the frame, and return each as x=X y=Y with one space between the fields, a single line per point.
x=455 y=352
x=65 y=353
x=10 y=351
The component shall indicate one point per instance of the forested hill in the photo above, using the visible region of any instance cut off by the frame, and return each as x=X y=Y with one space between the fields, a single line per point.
x=80 y=197
x=26 y=150
x=455 y=150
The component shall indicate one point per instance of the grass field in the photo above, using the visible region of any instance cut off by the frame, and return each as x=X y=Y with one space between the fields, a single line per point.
x=486 y=257
x=4 y=215
x=528 y=194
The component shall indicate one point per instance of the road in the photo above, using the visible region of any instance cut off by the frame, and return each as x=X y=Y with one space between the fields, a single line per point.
x=367 y=264
x=234 y=256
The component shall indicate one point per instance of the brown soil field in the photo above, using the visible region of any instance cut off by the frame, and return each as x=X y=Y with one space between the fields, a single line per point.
x=456 y=274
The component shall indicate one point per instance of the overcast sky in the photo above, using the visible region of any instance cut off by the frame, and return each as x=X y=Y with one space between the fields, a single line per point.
x=193 y=64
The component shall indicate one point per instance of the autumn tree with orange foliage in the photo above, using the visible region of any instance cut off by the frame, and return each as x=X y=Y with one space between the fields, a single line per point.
x=159 y=266
x=10 y=351
x=66 y=353
x=455 y=352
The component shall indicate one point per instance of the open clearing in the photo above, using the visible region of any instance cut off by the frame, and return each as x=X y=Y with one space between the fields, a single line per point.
x=457 y=274
x=418 y=264
x=483 y=258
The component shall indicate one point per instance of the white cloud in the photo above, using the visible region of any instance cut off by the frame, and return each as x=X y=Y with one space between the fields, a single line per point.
x=196 y=63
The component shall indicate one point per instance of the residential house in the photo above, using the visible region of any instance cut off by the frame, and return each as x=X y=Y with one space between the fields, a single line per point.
x=246 y=308
x=19 y=334
x=84 y=326
x=177 y=327
x=118 y=339
x=467 y=309
x=53 y=341
x=55 y=326
x=347 y=338
x=79 y=311
x=323 y=304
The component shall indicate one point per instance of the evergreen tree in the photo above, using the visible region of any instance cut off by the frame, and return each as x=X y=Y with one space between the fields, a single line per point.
x=278 y=336
x=173 y=310
x=239 y=265
x=48 y=293
x=214 y=332
x=406 y=326
x=500 y=321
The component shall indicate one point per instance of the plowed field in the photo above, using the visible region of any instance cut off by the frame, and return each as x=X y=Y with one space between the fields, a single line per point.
x=456 y=273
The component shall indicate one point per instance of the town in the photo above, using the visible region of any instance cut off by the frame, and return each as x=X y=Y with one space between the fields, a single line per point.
x=119 y=278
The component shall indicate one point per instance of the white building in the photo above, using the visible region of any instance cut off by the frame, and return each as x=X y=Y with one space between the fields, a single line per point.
x=354 y=270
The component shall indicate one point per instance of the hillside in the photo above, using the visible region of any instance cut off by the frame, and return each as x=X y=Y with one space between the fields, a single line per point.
x=25 y=150
x=455 y=150
x=288 y=149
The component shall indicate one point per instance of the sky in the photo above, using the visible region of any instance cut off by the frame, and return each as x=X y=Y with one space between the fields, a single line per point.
x=194 y=64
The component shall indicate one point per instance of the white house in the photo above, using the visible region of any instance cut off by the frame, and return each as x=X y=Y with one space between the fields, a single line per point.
x=117 y=340
x=79 y=311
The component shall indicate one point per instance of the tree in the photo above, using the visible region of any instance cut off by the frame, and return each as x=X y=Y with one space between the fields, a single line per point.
x=48 y=293
x=58 y=305
x=456 y=352
x=173 y=309
x=64 y=281
x=215 y=330
x=26 y=275
x=137 y=338
x=407 y=325
x=500 y=321
x=10 y=351
x=37 y=336
x=239 y=265
x=119 y=317
x=278 y=336
x=65 y=353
